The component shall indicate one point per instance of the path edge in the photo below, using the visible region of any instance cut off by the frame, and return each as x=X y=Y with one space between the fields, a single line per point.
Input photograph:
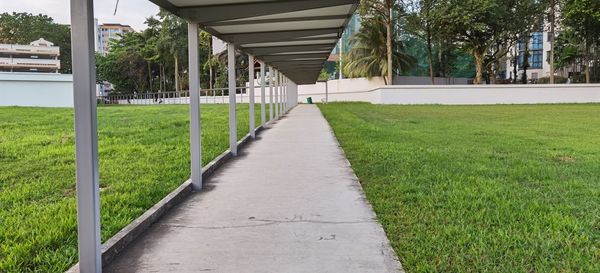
x=119 y=242
x=392 y=260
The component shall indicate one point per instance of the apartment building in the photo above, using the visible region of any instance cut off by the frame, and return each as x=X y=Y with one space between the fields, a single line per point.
x=538 y=46
x=105 y=33
x=39 y=56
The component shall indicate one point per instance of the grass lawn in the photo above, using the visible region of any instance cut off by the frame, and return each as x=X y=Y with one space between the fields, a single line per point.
x=144 y=155
x=510 y=188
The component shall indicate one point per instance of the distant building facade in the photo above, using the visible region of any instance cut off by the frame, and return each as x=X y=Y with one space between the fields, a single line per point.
x=538 y=60
x=105 y=33
x=39 y=56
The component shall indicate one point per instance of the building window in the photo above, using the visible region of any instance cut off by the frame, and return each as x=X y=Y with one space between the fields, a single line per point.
x=536 y=53
x=537 y=39
x=535 y=60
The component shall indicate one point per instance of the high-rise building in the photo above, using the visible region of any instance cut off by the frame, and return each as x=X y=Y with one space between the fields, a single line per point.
x=38 y=56
x=108 y=32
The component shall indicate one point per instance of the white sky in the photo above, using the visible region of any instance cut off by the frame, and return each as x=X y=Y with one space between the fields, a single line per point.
x=130 y=12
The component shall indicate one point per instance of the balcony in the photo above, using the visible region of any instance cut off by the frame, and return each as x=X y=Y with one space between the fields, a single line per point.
x=29 y=50
x=29 y=63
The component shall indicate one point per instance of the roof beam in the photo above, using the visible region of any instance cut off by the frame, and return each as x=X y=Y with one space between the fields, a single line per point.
x=271 y=50
x=294 y=57
x=279 y=36
x=275 y=20
x=287 y=62
x=215 y=13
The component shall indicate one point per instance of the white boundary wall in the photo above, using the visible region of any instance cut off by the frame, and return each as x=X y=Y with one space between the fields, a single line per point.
x=36 y=89
x=488 y=94
x=56 y=90
x=362 y=90
x=340 y=90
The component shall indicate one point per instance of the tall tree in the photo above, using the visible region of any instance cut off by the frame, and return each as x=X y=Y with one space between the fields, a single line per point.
x=422 y=21
x=582 y=17
x=172 y=44
x=368 y=54
x=552 y=12
x=483 y=27
x=383 y=11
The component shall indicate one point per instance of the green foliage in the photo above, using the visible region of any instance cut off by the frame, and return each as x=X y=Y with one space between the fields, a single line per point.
x=448 y=62
x=154 y=59
x=511 y=188
x=144 y=155
x=24 y=28
x=324 y=75
x=125 y=65
x=368 y=54
x=241 y=69
x=581 y=18
x=546 y=80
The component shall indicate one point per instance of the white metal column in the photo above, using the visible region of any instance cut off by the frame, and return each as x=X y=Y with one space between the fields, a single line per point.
x=86 y=135
x=281 y=86
x=263 y=114
x=195 y=120
x=232 y=103
x=285 y=101
x=271 y=93
x=251 y=87
x=276 y=77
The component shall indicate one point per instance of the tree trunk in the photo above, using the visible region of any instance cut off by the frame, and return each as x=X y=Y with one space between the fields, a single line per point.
x=390 y=66
x=163 y=78
x=587 y=62
x=515 y=63
x=478 y=67
x=388 y=26
x=176 y=74
x=494 y=72
x=210 y=68
x=430 y=57
x=526 y=59
x=150 y=76
x=552 y=23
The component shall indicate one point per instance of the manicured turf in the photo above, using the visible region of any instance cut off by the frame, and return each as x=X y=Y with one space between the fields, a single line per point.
x=144 y=155
x=480 y=188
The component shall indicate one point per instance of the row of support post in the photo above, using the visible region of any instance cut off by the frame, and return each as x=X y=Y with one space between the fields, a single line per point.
x=86 y=131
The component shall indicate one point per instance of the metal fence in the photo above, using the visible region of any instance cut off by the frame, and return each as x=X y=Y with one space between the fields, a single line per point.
x=208 y=96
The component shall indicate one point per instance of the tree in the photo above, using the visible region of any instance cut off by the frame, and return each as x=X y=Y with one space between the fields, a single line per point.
x=172 y=43
x=368 y=55
x=552 y=14
x=582 y=18
x=125 y=65
x=378 y=11
x=486 y=27
x=23 y=28
x=423 y=22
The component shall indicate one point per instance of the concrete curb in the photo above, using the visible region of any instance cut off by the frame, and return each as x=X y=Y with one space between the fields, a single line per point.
x=116 y=244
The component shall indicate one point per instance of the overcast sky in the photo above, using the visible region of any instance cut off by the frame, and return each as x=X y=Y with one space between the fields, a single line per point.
x=130 y=12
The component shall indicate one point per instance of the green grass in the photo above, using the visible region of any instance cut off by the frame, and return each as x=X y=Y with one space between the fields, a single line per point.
x=480 y=188
x=144 y=155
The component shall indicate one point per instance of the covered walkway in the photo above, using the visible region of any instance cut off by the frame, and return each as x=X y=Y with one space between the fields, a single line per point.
x=287 y=203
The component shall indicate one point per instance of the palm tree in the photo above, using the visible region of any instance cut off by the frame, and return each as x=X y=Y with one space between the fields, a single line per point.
x=368 y=56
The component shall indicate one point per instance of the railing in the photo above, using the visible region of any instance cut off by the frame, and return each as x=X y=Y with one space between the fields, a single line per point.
x=207 y=96
x=29 y=62
x=28 y=49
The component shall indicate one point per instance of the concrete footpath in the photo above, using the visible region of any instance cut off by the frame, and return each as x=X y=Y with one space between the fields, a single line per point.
x=288 y=203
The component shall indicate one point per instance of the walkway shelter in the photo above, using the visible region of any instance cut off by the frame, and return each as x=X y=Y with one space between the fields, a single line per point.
x=293 y=37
